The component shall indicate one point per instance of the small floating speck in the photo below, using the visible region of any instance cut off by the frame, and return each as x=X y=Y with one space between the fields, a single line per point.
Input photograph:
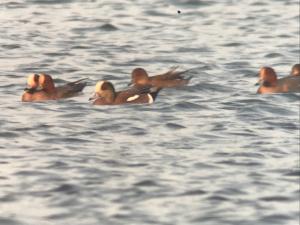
x=273 y=55
x=108 y=27
x=174 y=126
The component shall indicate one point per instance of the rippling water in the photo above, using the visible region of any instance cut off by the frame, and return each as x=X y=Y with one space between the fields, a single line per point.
x=213 y=152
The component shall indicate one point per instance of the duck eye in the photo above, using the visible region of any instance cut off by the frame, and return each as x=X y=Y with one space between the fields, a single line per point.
x=267 y=84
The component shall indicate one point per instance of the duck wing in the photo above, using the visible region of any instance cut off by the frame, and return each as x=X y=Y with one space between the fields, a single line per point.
x=137 y=94
x=172 y=74
x=71 y=89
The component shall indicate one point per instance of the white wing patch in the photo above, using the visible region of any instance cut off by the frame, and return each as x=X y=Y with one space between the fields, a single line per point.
x=150 y=101
x=132 y=98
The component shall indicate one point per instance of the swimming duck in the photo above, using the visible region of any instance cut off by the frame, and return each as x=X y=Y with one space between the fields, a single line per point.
x=270 y=84
x=41 y=87
x=105 y=94
x=171 y=78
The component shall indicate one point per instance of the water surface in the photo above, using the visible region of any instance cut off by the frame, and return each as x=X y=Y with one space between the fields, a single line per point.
x=213 y=152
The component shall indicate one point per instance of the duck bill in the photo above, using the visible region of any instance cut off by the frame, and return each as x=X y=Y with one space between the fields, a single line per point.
x=94 y=97
x=259 y=82
x=30 y=89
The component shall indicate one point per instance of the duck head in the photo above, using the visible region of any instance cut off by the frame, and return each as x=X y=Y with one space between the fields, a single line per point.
x=32 y=83
x=296 y=70
x=139 y=76
x=267 y=77
x=46 y=83
x=104 y=89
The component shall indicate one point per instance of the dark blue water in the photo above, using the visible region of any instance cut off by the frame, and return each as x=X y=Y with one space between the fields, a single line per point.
x=210 y=153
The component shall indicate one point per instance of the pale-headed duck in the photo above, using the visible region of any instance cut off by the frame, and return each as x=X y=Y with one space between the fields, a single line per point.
x=41 y=88
x=105 y=94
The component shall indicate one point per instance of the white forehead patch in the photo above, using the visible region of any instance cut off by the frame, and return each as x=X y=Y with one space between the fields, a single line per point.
x=132 y=98
x=99 y=85
x=150 y=101
x=30 y=79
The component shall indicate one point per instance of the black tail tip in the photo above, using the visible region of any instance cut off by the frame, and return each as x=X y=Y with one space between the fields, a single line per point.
x=154 y=93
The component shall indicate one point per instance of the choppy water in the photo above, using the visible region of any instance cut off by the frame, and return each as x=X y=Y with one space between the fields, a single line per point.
x=213 y=152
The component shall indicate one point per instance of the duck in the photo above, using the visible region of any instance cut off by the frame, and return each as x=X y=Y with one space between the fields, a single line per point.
x=170 y=79
x=295 y=70
x=32 y=92
x=41 y=88
x=105 y=94
x=270 y=84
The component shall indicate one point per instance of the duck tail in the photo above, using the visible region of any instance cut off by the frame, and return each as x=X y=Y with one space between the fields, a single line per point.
x=173 y=74
x=77 y=87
